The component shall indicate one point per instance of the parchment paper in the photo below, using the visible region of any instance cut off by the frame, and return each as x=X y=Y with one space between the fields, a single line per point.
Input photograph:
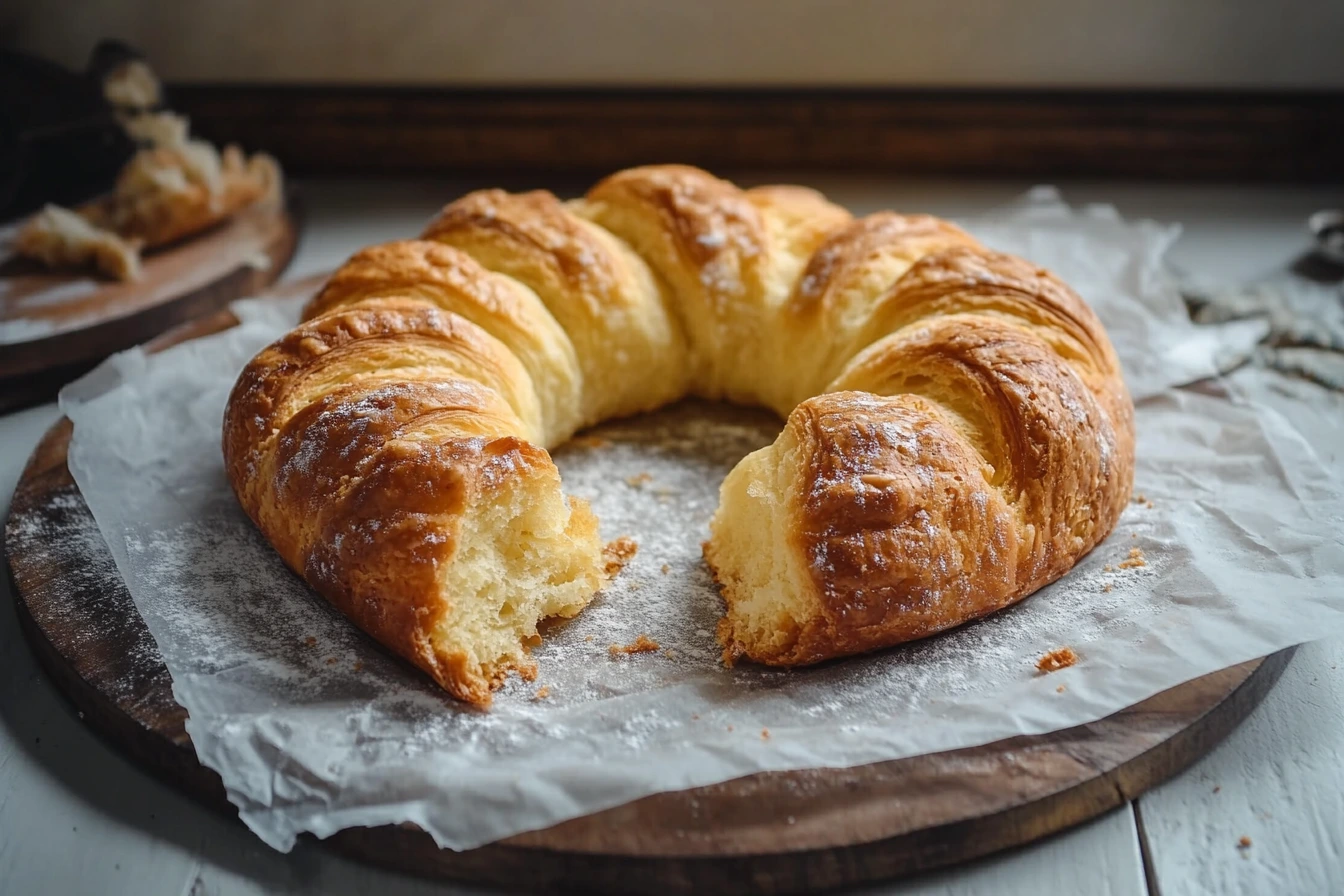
x=313 y=728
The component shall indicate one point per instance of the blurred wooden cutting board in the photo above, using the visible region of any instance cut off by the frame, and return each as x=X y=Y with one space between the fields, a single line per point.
x=55 y=325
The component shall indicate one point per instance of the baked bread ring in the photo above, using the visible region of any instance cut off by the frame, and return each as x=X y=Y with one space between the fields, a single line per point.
x=958 y=433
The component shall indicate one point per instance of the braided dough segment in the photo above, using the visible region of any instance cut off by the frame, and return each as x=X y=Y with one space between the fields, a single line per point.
x=450 y=551
x=969 y=279
x=832 y=301
x=798 y=223
x=400 y=339
x=404 y=494
x=867 y=523
x=1049 y=445
x=729 y=258
x=630 y=348
x=330 y=445
x=955 y=467
x=503 y=307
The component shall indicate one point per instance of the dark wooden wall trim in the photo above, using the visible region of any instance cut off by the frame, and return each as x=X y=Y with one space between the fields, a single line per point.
x=363 y=130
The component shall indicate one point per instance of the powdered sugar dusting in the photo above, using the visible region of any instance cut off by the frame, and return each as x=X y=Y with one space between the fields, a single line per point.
x=63 y=535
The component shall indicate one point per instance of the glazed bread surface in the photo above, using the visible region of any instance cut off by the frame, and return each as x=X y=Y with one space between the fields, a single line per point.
x=958 y=433
x=390 y=455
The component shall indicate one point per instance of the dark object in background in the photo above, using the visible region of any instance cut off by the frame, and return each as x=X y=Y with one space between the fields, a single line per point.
x=59 y=139
x=1327 y=227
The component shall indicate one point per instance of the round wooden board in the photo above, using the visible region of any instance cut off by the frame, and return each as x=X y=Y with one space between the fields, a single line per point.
x=776 y=832
x=69 y=321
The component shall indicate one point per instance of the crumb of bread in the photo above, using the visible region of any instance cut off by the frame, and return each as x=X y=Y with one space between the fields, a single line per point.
x=1217 y=787
x=666 y=569
x=542 y=692
x=695 y=716
x=641 y=644
x=1133 y=535
x=589 y=638
x=1060 y=689
x=730 y=727
x=1059 y=658
x=1140 y=498
x=1244 y=842
x=1108 y=568
x=310 y=641
x=359 y=665
x=617 y=553
x=1106 y=590
x=638 y=480
x=1135 y=559
x=589 y=442
x=765 y=734
x=331 y=661
x=1148 y=504
x=669 y=653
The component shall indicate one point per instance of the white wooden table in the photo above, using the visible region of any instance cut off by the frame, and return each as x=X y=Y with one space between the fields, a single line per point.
x=76 y=817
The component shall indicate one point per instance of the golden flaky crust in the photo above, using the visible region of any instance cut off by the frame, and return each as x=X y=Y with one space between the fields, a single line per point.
x=832 y=301
x=500 y=305
x=728 y=256
x=362 y=473
x=958 y=432
x=630 y=347
x=390 y=534
x=970 y=454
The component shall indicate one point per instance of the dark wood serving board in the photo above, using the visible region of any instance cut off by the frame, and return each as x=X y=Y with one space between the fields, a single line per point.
x=54 y=325
x=775 y=832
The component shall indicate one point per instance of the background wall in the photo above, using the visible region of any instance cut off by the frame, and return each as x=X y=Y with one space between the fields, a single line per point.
x=1265 y=44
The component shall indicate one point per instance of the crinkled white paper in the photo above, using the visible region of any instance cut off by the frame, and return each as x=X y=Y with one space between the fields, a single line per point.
x=313 y=728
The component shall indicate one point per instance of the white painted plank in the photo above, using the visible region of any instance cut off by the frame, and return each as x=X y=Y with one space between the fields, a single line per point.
x=1277 y=780
x=1100 y=858
x=310 y=869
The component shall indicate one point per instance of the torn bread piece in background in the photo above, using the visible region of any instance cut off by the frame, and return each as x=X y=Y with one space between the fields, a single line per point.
x=173 y=187
x=170 y=192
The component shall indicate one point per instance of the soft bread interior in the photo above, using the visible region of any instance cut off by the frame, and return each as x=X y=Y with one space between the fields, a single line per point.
x=524 y=554
x=753 y=552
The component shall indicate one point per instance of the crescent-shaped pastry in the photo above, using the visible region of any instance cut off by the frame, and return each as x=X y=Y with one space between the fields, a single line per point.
x=958 y=433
